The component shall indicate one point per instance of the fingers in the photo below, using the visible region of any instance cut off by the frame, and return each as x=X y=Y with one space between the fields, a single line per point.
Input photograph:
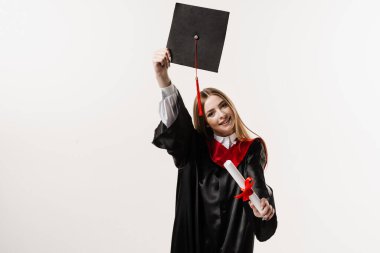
x=270 y=215
x=162 y=57
x=255 y=211
x=167 y=61
x=273 y=211
x=168 y=56
x=268 y=210
x=159 y=59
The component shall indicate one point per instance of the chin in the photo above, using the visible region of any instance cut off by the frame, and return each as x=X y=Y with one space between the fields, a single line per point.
x=227 y=132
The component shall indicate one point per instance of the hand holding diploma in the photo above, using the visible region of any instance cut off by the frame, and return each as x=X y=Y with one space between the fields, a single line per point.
x=261 y=208
x=267 y=210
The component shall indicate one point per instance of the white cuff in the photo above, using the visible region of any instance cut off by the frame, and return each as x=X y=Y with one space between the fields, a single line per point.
x=169 y=90
x=168 y=107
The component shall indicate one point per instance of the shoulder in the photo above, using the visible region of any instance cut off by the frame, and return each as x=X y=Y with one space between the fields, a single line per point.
x=257 y=151
x=257 y=145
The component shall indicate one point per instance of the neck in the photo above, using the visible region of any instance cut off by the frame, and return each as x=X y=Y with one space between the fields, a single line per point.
x=224 y=135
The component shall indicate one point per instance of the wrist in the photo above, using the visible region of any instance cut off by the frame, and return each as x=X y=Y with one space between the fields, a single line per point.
x=163 y=80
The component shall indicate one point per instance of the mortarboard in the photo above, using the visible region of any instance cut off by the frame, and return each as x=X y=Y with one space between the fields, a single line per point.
x=196 y=38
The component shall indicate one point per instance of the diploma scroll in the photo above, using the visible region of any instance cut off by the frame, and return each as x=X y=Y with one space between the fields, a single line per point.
x=239 y=179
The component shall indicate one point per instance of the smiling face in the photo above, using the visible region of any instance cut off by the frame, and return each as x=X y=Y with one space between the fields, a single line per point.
x=219 y=116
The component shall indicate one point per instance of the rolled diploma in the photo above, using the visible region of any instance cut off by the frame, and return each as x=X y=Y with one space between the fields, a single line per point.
x=239 y=179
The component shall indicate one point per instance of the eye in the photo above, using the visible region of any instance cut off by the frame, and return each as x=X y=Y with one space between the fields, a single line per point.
x=224 y=104
x=210 y=114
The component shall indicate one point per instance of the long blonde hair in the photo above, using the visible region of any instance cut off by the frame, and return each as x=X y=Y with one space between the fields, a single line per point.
x=200 y=123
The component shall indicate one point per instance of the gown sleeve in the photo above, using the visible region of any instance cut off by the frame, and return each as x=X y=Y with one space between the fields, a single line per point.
x=255 y=169
x=177 y=139
x=265 y=229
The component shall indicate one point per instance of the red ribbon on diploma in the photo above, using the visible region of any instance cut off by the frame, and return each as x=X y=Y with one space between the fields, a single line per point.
x=247 y=191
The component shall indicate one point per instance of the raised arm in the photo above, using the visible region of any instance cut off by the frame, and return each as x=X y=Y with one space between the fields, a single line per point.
x=168 y=108
x=175 y=133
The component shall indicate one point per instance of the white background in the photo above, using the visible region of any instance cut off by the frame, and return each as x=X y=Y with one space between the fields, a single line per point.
x=79 y=104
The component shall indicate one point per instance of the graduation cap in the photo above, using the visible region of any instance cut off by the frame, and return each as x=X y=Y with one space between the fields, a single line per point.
x=196 y=39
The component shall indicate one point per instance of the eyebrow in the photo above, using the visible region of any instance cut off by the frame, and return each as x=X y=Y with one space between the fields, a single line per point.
x=212 y=109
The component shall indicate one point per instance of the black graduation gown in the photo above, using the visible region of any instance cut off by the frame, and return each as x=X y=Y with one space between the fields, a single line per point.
x=208 y=218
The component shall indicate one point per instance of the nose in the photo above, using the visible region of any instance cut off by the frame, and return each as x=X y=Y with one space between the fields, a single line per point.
x=221 y=114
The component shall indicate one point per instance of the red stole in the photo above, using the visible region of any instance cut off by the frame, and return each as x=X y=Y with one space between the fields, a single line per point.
x=219 y=154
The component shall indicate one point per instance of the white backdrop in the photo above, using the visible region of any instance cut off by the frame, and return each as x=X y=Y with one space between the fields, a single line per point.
x=79 y=104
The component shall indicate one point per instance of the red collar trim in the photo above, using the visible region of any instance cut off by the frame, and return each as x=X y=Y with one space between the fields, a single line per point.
x=219 y=154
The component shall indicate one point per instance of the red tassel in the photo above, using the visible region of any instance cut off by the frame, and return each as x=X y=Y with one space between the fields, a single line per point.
x=247 y=191
x=200 y=111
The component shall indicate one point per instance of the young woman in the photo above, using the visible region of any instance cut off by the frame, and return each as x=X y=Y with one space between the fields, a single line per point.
x=208 y=216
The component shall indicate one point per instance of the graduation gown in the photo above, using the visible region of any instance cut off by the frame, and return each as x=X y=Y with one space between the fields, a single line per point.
x=208 y=218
